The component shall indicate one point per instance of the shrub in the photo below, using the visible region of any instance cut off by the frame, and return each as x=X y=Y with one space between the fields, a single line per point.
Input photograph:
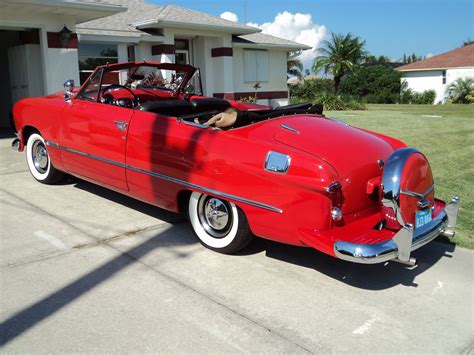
x=250 y=99
x=408 y=96
x=460 y=91
x=310 y=89
x=373 y=84
x=338 y=103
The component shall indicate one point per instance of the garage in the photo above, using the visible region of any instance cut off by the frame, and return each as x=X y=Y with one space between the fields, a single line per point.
x=39 y=47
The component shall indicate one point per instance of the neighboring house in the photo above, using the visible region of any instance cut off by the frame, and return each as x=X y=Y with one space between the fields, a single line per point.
x=438 y=72
x=37 y=57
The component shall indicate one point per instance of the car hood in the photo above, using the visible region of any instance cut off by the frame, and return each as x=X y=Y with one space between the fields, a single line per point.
x=353 y=153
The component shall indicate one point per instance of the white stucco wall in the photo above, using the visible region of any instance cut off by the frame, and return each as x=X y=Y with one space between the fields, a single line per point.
x=423 y=80
x=59 y=64
x=277 y=75
x=455 y=73
x=420 y=81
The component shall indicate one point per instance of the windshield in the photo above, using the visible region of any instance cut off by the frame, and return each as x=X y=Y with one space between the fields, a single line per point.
x=145 y=77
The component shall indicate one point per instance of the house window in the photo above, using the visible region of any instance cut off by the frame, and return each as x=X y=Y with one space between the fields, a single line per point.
x=444 y=76
x=131 y=53
x=92 y=55
x=256 y=65
x=181 y=51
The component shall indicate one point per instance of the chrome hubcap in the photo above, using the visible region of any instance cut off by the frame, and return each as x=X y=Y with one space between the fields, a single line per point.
x=215 y=216
x=40 y=157
x=216 y=213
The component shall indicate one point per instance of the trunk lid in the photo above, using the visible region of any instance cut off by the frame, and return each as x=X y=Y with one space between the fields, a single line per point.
x=352 y=152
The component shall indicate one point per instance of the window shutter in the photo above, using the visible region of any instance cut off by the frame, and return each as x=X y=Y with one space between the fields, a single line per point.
x=262 y=66
x=250 y=68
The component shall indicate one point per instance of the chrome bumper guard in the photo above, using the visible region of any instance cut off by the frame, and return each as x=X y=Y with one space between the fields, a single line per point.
x=16 y=144
x=404 y=242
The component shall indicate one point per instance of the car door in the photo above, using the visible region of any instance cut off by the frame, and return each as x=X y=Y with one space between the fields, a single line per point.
x=93 y=139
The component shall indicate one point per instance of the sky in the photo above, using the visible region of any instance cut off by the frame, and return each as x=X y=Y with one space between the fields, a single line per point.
x=389 y=27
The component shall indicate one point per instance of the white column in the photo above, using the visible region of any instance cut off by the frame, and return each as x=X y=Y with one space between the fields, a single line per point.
x=222 y=64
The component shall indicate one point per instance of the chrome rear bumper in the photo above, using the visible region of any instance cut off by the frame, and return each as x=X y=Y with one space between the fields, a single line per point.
x=404 y=242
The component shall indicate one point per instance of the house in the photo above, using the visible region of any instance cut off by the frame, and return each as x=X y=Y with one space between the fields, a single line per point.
x=438 y=72
x=45 y=42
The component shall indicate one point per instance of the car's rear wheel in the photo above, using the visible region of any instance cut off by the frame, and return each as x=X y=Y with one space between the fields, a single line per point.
x=39 y=162
x=219 y=224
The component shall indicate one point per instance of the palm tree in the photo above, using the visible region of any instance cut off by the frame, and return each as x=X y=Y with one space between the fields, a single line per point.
x=339 y=55
x=294 y=66
x=460 y=89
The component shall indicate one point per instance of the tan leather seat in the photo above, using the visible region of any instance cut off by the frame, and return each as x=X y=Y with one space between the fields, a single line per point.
x=224 y=119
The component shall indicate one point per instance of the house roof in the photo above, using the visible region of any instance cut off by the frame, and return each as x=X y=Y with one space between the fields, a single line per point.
x=457 y=58
x=142 y=15
x=264 y=40
x=81 y=10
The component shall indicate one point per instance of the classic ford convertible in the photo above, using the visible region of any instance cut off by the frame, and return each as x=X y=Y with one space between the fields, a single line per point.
x=237 y=169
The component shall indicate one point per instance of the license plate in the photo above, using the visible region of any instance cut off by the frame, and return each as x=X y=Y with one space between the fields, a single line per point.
x=423 y=217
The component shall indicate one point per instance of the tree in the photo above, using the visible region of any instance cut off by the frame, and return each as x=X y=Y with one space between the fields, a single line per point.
x=294 y=66
x=460 y=89
x=339 y=55
x=411 y=58
x=372 y=59
x=373 y=84
x=467 y=42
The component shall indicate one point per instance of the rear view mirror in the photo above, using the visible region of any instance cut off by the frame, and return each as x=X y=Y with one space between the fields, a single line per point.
x=68 y=88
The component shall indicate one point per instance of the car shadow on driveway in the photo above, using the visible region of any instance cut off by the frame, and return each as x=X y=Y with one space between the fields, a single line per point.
x=369 y=277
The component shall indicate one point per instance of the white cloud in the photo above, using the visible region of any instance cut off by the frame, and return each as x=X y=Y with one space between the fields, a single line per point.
x=230 y=16
x=296 y=27
x=429 y=55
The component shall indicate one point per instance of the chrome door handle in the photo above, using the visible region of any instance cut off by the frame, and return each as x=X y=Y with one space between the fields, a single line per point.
x=121 y=126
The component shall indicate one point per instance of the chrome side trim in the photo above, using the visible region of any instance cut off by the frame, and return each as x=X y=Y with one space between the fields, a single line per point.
x=289 y=128
x=169 y=178
x=52 y=144
x=417 y=194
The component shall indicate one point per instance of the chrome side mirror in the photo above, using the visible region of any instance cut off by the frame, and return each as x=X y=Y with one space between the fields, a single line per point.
x=68 y=88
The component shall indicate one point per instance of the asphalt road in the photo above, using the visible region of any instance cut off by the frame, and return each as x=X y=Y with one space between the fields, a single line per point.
x=83 y=269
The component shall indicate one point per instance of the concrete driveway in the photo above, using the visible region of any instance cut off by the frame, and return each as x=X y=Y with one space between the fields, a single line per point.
x=84 y=269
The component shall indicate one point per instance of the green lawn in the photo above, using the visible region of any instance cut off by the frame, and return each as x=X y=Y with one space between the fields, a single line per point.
x=447 y=142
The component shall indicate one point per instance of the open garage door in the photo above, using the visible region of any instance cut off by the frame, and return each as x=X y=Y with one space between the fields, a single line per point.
x=22 y=76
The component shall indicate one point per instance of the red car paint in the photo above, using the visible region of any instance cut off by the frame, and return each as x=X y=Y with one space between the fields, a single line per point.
x=322 y=151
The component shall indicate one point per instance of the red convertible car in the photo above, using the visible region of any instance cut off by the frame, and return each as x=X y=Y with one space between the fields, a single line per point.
x=237 y=169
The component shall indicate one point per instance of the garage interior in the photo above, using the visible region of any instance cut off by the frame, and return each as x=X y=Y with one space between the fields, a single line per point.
x=21 y=58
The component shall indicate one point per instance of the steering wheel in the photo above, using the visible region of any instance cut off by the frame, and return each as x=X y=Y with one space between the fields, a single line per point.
x=108 y=99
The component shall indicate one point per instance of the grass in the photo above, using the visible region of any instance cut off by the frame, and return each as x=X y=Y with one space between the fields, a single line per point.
x=447 y=142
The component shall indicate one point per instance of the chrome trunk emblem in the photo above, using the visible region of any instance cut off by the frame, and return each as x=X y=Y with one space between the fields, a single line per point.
x=424 y=203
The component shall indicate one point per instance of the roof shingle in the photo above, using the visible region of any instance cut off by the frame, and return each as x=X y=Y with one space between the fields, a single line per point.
x=457 y=58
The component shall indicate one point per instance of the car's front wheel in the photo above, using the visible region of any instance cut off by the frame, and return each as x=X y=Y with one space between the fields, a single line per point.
x=39 y=162
x=219 y=224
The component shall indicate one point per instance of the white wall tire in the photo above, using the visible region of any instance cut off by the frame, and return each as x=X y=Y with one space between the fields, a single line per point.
x=218 y=224
x=39 y=162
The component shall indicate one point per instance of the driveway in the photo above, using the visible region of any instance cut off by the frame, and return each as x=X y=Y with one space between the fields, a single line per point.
x=84 y=269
